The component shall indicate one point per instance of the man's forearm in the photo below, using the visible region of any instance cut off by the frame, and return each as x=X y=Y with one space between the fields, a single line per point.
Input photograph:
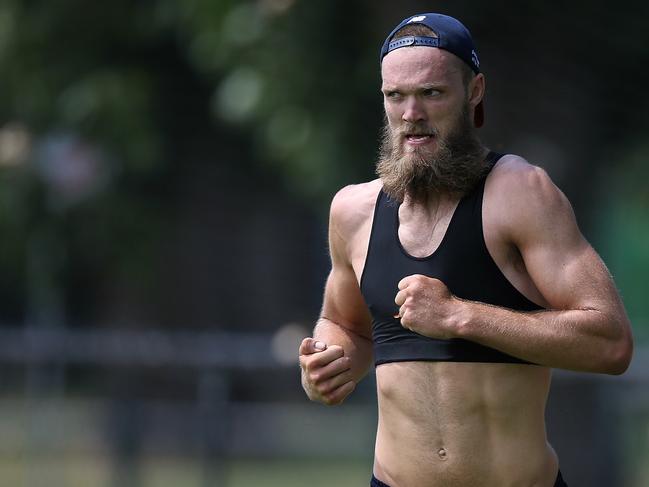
x=357 y=347
x=585 y=340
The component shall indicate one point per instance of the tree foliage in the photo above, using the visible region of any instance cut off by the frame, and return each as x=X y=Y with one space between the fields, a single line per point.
x=102 y=105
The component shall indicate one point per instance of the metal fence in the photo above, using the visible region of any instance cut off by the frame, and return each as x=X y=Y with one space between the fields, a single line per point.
x=598 y=424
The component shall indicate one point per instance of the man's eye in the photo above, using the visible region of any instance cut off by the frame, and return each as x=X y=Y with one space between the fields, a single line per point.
x=393 y=95
x=430 y=92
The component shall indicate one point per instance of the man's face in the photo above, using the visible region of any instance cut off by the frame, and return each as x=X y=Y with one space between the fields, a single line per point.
x=423 y=93
x=429 y=141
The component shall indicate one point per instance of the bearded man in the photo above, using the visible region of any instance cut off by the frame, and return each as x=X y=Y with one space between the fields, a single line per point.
x=463 y=275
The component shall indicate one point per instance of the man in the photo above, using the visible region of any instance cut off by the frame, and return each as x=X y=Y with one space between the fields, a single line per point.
x=463 y=274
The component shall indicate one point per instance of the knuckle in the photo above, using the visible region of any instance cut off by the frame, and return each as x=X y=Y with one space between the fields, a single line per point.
x=322 y=388
x=306 y=363
x=341 y=362
x=333 y=399
x=337 y=396
x=322 y=396
x=326 y=399
x=326 y=388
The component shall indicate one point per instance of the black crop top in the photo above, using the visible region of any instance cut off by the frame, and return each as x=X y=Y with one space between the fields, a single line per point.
x=461 y=261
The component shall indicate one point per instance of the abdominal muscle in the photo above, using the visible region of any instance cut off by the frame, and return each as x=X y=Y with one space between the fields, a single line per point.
x=455 y=424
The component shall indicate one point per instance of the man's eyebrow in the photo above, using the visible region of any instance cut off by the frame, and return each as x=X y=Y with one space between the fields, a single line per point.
x=413 y=88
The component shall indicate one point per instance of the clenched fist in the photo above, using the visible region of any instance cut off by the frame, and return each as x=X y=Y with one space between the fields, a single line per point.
x=426 y=306
x=326 y=372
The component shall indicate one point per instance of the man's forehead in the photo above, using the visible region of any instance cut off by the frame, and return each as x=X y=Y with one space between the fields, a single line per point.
x=419 y=62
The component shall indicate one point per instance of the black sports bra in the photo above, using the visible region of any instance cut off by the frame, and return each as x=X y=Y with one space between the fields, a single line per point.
x=461 y=261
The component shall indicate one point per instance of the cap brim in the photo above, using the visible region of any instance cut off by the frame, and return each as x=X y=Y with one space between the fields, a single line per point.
x=478 y=115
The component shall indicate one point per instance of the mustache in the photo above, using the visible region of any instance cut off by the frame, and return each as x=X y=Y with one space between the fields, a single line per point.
x=409 y=128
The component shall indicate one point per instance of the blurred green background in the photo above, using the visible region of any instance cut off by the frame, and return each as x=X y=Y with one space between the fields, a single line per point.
x=165 y=173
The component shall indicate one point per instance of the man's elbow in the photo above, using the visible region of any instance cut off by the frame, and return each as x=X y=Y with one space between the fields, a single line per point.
x=619 y=357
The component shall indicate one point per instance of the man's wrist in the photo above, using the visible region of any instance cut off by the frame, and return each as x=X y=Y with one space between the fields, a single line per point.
x=461 y=319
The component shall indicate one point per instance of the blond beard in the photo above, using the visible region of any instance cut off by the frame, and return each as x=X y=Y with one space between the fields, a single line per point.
x=454 y=167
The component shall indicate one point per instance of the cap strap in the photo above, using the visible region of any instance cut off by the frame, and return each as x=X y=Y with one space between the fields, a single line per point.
x=413 y=41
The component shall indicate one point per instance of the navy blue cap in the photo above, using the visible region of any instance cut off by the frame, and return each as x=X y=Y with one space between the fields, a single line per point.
x=452 y=36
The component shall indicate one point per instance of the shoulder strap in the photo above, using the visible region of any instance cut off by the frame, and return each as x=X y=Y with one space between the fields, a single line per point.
x=492 y=158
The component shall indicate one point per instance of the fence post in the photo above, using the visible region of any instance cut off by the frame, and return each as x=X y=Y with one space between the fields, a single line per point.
x=213 y=424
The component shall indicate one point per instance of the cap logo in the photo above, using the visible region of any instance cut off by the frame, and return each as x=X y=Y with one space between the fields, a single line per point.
x=474 y=58
x=419 y=18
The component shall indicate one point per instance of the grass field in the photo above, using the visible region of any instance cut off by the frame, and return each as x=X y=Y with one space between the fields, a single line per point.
x=68 y=444
x=88 y=471
x=174 y=472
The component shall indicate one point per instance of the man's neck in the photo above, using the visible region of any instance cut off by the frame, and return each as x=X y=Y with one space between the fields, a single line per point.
x=430 y=208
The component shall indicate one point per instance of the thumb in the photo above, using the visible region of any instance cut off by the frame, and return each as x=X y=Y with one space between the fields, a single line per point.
x=310 y=345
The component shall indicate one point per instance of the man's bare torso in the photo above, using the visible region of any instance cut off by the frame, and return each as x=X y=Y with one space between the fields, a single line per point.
x=449 y=423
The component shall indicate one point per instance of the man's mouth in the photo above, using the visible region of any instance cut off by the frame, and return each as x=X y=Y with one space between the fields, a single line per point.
x=418 y=138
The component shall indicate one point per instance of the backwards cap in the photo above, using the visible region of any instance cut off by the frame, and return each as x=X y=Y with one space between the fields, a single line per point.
x=452 y=36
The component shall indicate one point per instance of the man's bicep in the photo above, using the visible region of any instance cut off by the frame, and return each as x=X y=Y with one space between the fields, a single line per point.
x=343 y=302
x=569 y=276
x=562 y=264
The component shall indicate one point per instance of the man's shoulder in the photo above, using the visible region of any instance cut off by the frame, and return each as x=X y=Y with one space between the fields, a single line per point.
x=354 y=204
x=360 y=190
x=512 y=168
x=513 y=176
x=517 y=191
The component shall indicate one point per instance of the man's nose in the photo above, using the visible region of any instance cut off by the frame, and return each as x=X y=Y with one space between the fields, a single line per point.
x=413 y=111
